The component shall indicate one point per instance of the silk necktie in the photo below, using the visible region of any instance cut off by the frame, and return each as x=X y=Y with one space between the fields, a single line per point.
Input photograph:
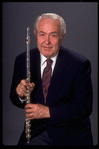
x=46 y=78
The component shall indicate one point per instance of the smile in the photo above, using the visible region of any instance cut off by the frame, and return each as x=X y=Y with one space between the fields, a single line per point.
x=46 y=47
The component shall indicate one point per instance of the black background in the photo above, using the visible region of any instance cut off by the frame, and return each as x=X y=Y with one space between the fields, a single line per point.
x=81 y=35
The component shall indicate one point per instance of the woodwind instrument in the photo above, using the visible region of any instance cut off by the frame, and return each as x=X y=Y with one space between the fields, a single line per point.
x=27 y=124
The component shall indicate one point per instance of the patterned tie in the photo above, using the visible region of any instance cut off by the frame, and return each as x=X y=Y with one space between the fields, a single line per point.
x=46 y=78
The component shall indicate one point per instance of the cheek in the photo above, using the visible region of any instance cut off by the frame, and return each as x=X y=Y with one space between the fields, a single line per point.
x=39 y=41
x=56 y=43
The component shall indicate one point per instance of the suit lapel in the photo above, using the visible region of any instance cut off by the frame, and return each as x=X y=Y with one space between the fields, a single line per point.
x=36 y=77
x=58 y=77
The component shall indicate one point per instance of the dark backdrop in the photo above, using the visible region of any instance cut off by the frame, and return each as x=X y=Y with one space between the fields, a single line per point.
x=81 y=36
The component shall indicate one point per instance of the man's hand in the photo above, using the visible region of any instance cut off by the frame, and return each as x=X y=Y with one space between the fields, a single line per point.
x=36 y=111
x=22 y=88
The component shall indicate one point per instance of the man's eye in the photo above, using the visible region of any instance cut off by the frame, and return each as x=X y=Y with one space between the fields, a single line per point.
x=42 y=34
x=53 y=35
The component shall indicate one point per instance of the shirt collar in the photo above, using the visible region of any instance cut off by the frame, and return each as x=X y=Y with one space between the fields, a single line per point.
x=43 y=58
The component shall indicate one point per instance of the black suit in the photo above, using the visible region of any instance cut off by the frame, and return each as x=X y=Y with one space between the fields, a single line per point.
x=69 y=97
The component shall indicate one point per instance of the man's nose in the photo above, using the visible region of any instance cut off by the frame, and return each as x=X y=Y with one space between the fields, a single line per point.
x=47 y=39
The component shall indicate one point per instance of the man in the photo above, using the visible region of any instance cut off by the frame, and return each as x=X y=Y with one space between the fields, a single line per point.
x=61 y=89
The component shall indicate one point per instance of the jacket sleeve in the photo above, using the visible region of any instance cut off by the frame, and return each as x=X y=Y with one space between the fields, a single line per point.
x=79 y=107
x=15 y=81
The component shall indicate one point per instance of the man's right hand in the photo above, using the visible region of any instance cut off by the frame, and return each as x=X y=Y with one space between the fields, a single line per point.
x=21 y=89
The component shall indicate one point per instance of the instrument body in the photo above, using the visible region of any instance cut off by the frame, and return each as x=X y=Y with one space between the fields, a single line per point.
x=27 y=124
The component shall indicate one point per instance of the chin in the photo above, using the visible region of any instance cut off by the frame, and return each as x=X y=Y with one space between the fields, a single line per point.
x=47 y=54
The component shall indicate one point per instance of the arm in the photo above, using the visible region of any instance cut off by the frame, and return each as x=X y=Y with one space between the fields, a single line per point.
x=19 y=86
x=15 y=81
x=79 y=106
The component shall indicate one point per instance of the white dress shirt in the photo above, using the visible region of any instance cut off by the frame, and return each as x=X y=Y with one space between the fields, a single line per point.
x=43 y=65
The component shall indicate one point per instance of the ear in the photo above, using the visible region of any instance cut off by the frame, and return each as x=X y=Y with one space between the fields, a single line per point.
x=34 y=31
x=63 y=37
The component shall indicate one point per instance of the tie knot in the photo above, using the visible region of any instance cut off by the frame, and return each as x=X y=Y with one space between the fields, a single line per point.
x=49 y=62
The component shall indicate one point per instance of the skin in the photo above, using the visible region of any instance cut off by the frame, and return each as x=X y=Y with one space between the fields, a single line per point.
x=48 y=37
x=48 y=41
x=22 y=88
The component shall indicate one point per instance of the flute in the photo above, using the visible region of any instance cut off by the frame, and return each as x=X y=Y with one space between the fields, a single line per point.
x=27 y=124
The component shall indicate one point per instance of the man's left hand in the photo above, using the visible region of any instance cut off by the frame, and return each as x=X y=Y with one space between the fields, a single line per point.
x=36 y=111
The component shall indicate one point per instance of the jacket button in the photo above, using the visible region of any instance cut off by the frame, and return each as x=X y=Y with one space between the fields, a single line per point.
x=52 y=141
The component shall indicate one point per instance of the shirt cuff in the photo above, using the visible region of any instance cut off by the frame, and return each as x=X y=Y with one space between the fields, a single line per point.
x=22 y=101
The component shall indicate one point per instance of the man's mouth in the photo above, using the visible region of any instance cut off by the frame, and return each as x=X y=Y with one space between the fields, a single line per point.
x=46 y=47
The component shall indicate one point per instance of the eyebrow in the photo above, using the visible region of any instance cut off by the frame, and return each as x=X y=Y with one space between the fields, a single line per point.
x=54 y=32
x=50 y=33
x=42 y=32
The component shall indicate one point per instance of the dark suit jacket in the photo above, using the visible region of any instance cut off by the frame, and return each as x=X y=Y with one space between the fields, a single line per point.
x=69 y=97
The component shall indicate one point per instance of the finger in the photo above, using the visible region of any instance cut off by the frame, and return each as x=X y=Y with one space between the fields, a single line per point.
x=22 y=91
x=32 y=85
x=19 y=92
x=28 y=110
x=29 y=116
x=19 y=85
x=27 y=106
x=23 y=83
x=22 y=86
x=31 y=106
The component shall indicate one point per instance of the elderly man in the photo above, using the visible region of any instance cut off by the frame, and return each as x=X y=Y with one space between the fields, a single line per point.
x=61 y=89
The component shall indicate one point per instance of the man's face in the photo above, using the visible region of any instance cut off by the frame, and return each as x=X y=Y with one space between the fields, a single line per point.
x=49 y=37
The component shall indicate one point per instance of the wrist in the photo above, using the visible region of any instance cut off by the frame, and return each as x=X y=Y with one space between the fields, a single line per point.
x=46 y=112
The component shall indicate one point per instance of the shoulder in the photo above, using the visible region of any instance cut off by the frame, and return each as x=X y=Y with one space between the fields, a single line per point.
x=33 y=53
x=73 y=60
x=72 y=57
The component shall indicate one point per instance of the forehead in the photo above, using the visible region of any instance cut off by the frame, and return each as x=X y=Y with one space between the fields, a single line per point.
x=48 y=25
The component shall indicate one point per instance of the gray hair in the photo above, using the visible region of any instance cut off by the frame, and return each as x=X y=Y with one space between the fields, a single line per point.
x=53 y=16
